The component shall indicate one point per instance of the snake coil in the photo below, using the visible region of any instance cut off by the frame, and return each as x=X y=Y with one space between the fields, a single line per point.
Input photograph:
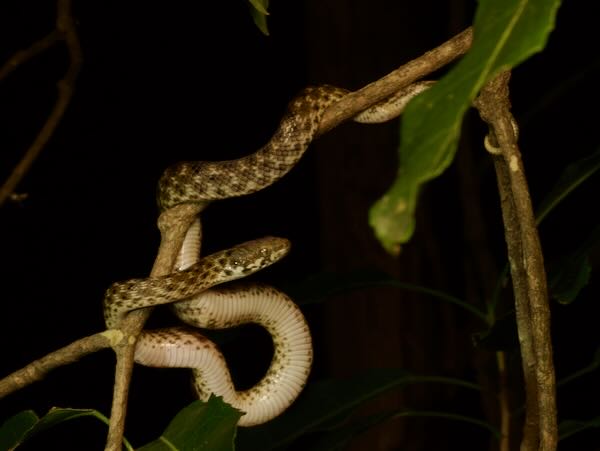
x=189 y=289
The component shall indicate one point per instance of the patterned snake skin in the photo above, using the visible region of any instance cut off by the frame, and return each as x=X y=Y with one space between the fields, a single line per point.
x=202 y=182
x=224 y=266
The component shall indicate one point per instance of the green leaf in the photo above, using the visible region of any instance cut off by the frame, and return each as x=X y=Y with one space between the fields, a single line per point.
x=209 y=426
x=259 y=14
x=573 y=176
x=261 y=6
x=14 y=430
x=506 y=32
x=567 y=428
x=327 y=402
x=572 y=273
x=58 y=415
x=26 y=424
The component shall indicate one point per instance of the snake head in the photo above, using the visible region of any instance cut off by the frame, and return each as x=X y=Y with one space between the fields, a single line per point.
x=251 y=256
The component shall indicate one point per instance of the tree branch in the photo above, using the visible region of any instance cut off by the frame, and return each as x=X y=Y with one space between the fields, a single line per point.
x=174 y=223
x=173 y=230
x=65 y=30
x=527 y=267
x=22 y=56
x=375 y=92
x=38 y=369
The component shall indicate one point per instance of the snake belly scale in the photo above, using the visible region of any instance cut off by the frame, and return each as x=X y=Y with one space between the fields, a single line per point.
x=190 y=291
x=228 y=307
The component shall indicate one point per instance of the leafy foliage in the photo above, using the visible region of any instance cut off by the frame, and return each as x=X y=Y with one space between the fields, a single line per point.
x=259 y=13
x=200 y=426
x=506 y=33
x=209 y=426
x=15 y=429
x=24 y=425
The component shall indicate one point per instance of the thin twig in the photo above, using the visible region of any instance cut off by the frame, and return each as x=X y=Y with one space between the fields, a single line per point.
x=65 y=30
x=513 y=235
x=22 y=56
x=527 y=268
x=503 y=402
x=38 y=369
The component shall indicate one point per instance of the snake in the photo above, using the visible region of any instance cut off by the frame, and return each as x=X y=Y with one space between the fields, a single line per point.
x=194 y=289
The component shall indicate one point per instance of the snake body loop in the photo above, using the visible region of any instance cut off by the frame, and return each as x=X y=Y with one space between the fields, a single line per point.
x=188 y=288
x=203 y=181
x=229 y=307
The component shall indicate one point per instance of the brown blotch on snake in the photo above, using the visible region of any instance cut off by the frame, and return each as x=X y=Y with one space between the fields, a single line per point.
x=204 y=181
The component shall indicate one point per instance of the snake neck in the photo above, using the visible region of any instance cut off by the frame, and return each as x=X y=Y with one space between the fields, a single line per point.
x=203 y=181
x=223 y=266
x=133 y=294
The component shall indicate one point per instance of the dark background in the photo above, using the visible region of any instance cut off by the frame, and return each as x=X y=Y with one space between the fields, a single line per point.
x=167 y=82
